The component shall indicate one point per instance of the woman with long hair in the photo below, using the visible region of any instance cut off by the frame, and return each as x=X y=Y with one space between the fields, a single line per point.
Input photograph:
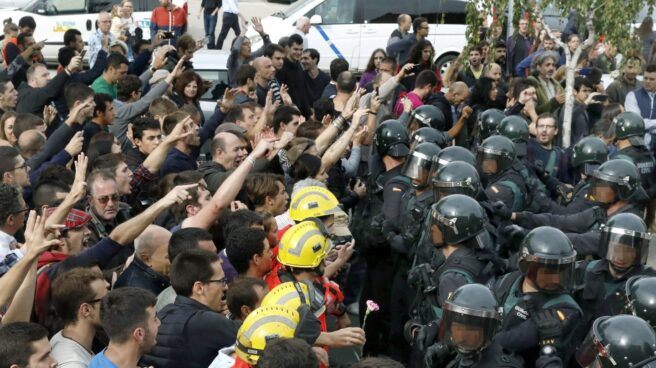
x=188 y=89
x=372 y=67
x=7 y=121
x=422 y=54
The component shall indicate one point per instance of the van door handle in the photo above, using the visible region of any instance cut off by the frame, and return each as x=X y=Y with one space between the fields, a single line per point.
x=88 y=24
x=369 y=30
x=351 y=31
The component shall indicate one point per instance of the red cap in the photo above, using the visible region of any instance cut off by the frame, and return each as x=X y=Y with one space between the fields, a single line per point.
x=74 y=219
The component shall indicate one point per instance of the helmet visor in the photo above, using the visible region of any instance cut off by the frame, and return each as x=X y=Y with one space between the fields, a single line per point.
x=417 y=167
x=443 y=189
x=602 y=191
x=487 y=163
x=551 y=277
x=465 y=329
x=625 y=248
x=591 y=349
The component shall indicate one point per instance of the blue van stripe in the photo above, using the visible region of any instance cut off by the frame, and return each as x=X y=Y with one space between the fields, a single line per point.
x=330 y=43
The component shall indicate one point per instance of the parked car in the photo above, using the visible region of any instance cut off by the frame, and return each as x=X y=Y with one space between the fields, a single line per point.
x=211 y=66
x=353 y=29
x=54 y=17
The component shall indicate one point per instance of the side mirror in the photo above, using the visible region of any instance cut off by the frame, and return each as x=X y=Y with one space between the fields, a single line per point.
x=316 y=19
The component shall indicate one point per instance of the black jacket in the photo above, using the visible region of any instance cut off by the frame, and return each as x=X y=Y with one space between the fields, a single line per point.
x=138 y=274
x=33 y=100
x=190 y=335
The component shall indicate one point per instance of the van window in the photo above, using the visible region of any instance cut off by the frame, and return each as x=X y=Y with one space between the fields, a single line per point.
x=446 y=11
x=54 y=7
x=386 y=11
x=335 y=11
x=144 y=5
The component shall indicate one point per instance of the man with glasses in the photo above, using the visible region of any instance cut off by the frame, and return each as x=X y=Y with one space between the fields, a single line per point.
x=193 y=329
x=400 y=50
x=13 y=212
x=104 y=204
x=76 y=297
x=13 y=168
x=542 y=150
x=102 y=38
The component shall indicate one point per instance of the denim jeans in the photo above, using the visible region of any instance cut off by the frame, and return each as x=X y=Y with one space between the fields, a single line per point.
x=210 y=25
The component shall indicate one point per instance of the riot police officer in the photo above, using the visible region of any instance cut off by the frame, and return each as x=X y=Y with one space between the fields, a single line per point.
x=515 y=128
x=537 y=308
x=494 y=159
x=403 y=236
x=629 y=133
x=489 y=121
x=429 y=135
x=453 y=153
x=427 y=116
x=614 y=188
x=587 y=155
x=469 y=320
x=385 y=189
x=620 y=342
x=456 y=177
x=624 y=245
x=640 y=294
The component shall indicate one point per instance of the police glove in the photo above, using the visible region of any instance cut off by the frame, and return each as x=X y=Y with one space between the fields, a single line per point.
x=426 y=335
x=514 y=234
x=436 y=355
x=501 y=210
x=565 y=192
x=550 y=326
x=600 y=215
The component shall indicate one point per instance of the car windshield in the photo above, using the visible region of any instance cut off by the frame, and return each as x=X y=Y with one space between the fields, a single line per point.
x=290 y=9
x=30 y=5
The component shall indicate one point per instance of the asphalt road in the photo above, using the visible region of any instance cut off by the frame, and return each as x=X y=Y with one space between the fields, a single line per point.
x=250 y=8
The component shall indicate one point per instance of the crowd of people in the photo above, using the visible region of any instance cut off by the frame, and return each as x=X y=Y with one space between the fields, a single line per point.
x=414 y=218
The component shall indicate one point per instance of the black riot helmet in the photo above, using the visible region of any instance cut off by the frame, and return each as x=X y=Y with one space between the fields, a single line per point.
x=547 y=258
x=625 y=241
x=489 y=121
x=427 y=135
x=631 y=126
x=456 y=177
x=391 y=139
x=430 y=116
x=469 y=319
x=455 y=219
x=640 y=293
x=495 y=155
x=418 y=164
x=515 y=128
x=588 y=154
x=621 y=341
x=614 y=180
x=450 y=154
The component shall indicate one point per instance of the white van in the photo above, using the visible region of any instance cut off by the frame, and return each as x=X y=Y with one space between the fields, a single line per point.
x=54 y=17
x=353 y=29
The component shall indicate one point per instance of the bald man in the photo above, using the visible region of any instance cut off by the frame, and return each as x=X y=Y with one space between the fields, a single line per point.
x=449 y=101
x=102 y=38
x=150 y=267
x=404 y=22
x=30 y=142
x=302 y=29
x=229 y=150
x=265 y=75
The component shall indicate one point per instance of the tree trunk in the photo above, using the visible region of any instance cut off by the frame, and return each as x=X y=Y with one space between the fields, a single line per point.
x=569 y=102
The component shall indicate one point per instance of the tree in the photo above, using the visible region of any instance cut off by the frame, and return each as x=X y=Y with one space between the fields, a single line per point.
x=610 y=20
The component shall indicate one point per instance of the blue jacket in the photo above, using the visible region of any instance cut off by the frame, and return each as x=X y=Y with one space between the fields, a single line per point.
x=138 y=274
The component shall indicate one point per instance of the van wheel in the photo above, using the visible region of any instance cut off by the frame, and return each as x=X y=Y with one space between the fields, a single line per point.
x=444 y=62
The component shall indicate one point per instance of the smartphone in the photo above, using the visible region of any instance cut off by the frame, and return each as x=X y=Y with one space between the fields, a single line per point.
x=166 y=35
x=82 y=53
x=600 y=98
x=377 y=91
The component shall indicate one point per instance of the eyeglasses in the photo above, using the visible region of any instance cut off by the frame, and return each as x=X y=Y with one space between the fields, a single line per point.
x=105 y=199
x=546 y=127
x=223 y=281
x=24 y=165
x=94 y=301
x=22 y=210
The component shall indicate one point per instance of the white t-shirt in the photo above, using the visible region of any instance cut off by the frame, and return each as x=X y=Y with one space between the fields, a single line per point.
x=68 y=353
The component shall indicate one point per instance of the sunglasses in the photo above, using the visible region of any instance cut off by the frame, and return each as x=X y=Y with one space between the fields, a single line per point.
x=105 y=199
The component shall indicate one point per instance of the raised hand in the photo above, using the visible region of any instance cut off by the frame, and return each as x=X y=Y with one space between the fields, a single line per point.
x=228 y=100
x=74 y=146
x=178 y=195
